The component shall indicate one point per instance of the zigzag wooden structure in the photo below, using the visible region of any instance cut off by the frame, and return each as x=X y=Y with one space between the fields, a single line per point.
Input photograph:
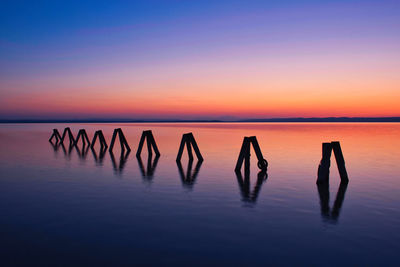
x=60 y=138
x=151 y=143
x=189 y=141
x=244 y=155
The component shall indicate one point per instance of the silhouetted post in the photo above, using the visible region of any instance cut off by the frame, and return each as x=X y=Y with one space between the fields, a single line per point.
x=122 y=140
x=324 y=166
x=82 y=134
x=151 y=143
x=244 y=155
x=189 y=141
x=102 y=140
x=70 y=136
x=337 y=150
x=55 y=135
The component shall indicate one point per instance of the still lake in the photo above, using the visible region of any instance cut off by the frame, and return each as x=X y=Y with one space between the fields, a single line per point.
x=67 y=207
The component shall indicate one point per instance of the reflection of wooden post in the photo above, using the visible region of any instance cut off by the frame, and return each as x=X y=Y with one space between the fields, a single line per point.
x=70 y=136
x=326 y=212
x=122 y=160
x=189 y=178
x=55 y=135
x=244 y=185
x=151 y=143
x=324 y=166
x=151 y=166
x=189 y=141
x=82 y=134
x=122 y=140
x=244 y=155
x=102 y=140
x=99 y=158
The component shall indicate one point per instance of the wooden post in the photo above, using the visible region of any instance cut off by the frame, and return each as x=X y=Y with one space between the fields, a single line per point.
x=324 y=166
x=102 y=140
x=67 y=130
x=189 y=141
x=56 y=135
x=337 y=150
x=244 y=155
x=82 y=134
x=151 y=143
x=122 y=140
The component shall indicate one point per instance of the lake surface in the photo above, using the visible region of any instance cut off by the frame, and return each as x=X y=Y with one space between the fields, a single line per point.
x=67 y=207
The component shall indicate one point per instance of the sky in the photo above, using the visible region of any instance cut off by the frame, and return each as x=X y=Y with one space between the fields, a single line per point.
x=199 y=59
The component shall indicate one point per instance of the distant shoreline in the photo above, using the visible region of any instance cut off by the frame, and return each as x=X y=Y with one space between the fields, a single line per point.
x=327 y=119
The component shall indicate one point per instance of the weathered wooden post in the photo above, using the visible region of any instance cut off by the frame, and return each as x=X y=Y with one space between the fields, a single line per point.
x=244 y=155
x=56 y=135
x=151 y=143
x=122 y=140
x=102 y=140
x=67 y=130
x=337 y=150
x=324 y=166
x=85 y=139
x=189 y=141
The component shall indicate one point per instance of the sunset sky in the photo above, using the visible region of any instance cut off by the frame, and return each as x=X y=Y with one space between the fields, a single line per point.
x=199 y=59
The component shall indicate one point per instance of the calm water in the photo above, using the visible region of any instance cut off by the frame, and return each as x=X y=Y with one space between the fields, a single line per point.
x=63 y=207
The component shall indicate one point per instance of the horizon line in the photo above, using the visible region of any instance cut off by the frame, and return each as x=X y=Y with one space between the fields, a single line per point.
x=120 y=120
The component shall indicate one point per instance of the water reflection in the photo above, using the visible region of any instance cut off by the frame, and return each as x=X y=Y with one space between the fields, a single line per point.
x=83 y=151
x=98 y=158
x=118 y=168
x=189 y=179
x=147 y=173
x=327 y=214
x=249 y=196
x=57 y=146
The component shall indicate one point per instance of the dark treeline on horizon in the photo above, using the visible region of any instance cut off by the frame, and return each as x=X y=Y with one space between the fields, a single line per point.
x=116 y=120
